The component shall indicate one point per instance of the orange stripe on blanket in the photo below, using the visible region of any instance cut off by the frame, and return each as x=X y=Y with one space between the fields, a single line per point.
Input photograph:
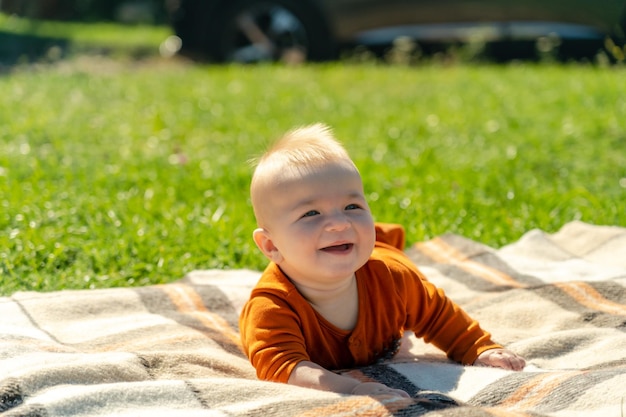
x=534 y=391
x=586 y=295
x=379 y=406
x=188 y=301
x=438 y=250
x=358 y=375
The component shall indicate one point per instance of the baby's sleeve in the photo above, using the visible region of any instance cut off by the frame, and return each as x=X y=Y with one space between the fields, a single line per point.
x=271 y=338
x=446 y=325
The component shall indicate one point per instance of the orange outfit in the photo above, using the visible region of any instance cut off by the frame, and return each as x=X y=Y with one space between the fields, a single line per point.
x=279 y=328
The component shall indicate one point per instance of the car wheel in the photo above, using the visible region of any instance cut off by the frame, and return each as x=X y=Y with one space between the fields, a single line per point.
x=250 y=31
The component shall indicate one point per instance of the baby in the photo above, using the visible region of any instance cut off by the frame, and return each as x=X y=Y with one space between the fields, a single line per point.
x=339 y=291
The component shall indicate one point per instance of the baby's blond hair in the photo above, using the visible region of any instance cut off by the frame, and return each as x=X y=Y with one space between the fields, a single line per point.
x=298 y=152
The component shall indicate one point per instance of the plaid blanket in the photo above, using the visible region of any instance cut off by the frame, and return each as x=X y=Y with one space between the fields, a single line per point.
x=559 y=300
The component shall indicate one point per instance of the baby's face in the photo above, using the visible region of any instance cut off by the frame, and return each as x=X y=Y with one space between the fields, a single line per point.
x=320 y=224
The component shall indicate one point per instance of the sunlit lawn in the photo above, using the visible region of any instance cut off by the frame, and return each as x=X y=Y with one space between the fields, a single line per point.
x=85 y=35
x=115 y=174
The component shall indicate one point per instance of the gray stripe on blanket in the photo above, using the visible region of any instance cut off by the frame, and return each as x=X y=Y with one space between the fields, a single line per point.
x=158 y=302
x=28 y=411
x=424 y=400
x=479 y=412
x=621 y=363
x=569 y=391
x=10 y=394
x=469 y=250
x=12 y=401
x=587 y=315
x=390 y=377
x=33 y=410
x=476 y=283
x=558 y=395
x=611 y=291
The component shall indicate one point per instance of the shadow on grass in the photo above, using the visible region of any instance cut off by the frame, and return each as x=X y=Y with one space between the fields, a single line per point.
x=19 y=48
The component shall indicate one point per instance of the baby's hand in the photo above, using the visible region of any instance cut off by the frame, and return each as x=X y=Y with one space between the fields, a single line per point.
x=374 y=388
x=501 y=358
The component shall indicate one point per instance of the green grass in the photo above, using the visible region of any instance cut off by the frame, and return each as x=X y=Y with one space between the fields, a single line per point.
x=116 y=175
x=121 y=39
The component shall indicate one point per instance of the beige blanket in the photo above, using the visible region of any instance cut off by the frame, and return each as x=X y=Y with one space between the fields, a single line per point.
x=173 y=350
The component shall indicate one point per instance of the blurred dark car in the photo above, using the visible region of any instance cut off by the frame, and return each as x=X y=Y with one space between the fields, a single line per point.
x=266 y=30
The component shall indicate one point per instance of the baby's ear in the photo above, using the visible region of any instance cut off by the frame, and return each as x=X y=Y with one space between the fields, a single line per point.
x=264 y=241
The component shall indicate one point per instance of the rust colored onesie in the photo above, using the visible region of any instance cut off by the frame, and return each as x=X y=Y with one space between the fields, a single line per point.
x=279 y=328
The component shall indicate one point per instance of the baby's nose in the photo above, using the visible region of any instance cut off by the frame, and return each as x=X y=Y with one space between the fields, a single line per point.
x=337 y=222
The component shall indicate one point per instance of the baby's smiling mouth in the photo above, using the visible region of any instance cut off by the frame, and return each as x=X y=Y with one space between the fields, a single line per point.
x=344 y=247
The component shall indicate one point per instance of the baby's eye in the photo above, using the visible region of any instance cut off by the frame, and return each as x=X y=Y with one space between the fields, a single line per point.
x=311 y=213
x=352 y=207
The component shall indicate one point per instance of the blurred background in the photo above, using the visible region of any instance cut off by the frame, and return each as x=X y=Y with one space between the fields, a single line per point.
x=139 y=11
x=250 y=31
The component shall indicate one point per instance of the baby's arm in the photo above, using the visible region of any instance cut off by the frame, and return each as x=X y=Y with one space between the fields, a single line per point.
x=311 y=375
x=501 y=358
